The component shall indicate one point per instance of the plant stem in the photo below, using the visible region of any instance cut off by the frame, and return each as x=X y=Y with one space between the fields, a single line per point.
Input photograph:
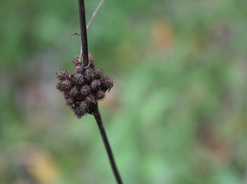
x=96 y=111
x=83 y=32
x=90 y=21
x=97 y=117
x=95 y=12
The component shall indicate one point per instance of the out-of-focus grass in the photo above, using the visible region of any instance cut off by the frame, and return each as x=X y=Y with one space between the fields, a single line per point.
x=177 y=113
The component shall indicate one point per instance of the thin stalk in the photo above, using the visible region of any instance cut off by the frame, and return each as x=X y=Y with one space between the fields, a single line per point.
x=95 y=12
x=96 y=111
x=89 y=22
x=82 y=15
x=98 y=119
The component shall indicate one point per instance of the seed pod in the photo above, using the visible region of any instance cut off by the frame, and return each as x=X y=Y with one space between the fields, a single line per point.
x=79 y=79
x=85 y=90
x=95 y=84
x=84 y=106
x=107 y=83
x=79 y=112
x=90 y=100
x=73 y=106
x=73 y=92
x=62 y=75
x=69 y=101
x=89 y=74
x=100 y=95
x=98 y=73
x=64 y=85
x=66 y=94
x=78 y=69
x=71 y=78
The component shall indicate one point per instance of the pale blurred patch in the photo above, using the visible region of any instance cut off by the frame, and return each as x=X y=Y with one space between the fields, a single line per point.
x=162 y=35
x=42 y=167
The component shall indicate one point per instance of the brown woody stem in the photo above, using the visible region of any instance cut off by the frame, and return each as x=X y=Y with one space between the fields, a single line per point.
x=96 y=111
x=83 y=32
x=97 y=117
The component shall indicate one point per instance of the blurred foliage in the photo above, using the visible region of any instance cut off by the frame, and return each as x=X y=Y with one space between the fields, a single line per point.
x=177 y=113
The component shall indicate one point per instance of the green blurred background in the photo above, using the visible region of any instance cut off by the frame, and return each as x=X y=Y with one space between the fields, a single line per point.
x=176 y=115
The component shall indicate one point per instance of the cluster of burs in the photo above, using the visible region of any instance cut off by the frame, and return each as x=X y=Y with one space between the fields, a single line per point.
x=83 y=89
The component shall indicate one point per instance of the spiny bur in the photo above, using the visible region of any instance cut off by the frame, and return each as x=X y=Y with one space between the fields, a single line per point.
x=85 y=88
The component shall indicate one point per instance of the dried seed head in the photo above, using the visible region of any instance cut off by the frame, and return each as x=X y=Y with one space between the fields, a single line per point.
x=77 y=103
x=89 y=74
x=100 y=95
x=69 y=101
x=107 y=83
x=62 y=75
x=76 y=61
x=84 y=106
x=66 y=94
x=73 y=106
x=73 y=92
x=64 y=85
x=90 y=100
x=85 y=90
x=71 y=78
x=78 y=69
x=67 y=84
x=79 y=79
x=79 y=112
x=98 y=73
x=95 y=84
